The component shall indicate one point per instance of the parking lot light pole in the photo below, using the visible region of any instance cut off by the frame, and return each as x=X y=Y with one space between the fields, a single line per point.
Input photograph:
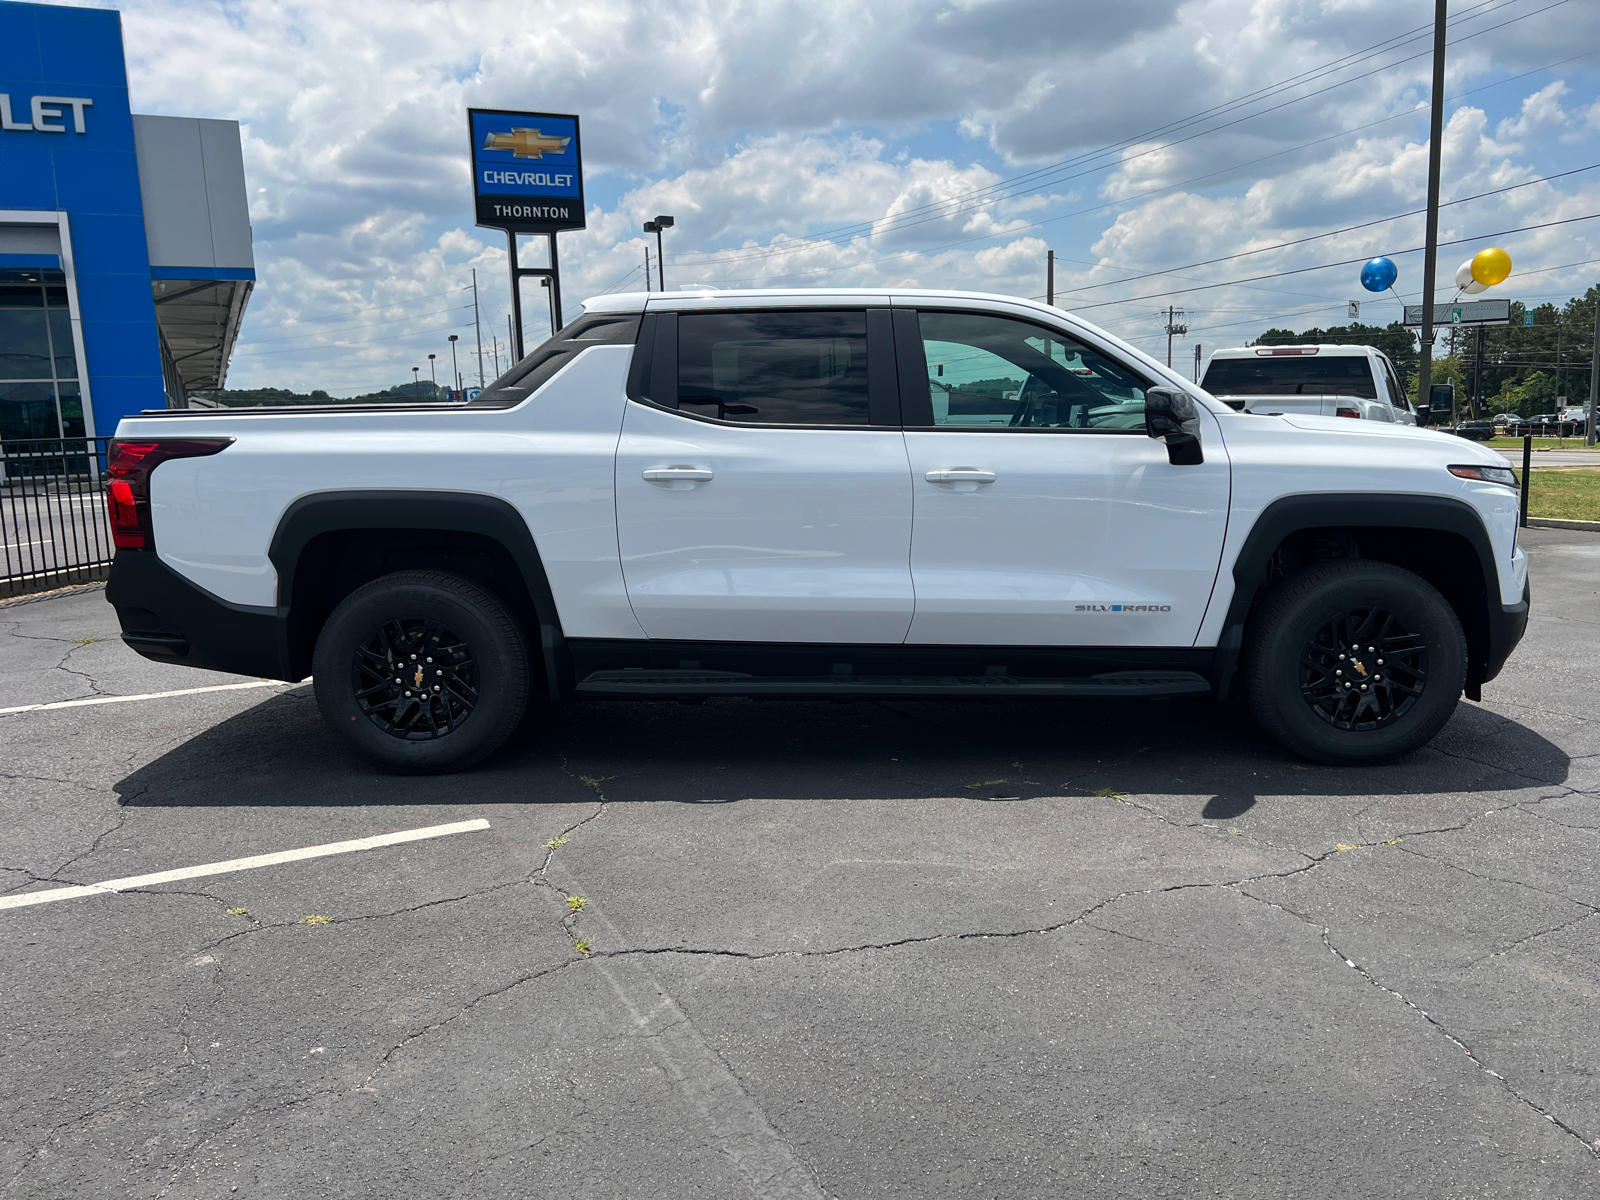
x=454 y=370
x=433 y=374
x=416 y=382
x=656 y=227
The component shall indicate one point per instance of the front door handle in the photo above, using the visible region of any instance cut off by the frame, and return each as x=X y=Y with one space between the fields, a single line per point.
x=678 y=474
x=960 y=475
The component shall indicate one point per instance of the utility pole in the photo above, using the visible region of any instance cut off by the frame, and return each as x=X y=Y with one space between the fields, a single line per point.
x=1197 y=362
x=1430 y=256
x=647 y=284
x=1050 y=278
x=1477 y=380
x=478 y=328
x=511 y=345
x=1594 y=380
x=495 y=344
x=1174 y=315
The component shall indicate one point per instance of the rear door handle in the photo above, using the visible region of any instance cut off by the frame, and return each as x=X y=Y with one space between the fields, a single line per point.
x=678 y=474
x=960 y=475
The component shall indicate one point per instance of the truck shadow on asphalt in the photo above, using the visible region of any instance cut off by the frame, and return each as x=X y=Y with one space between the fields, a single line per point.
x=279 y=754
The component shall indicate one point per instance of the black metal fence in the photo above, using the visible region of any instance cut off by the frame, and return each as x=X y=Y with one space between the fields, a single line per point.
x=53 y=525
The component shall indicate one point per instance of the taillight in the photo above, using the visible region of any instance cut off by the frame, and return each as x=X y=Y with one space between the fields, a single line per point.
x=1347 y=412
x=128 y=467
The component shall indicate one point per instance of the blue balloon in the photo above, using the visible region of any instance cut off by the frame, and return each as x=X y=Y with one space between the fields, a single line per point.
x=1379 y=274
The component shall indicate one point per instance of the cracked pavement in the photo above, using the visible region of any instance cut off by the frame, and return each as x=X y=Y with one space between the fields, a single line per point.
x=749 y=949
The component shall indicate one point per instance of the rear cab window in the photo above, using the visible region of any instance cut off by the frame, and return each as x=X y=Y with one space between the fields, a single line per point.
x=789 y=368
x=1297 y=375
x=540 y=365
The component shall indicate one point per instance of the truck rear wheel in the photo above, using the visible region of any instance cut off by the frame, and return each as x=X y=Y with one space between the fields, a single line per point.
x=1355 y=662
x=422 y=671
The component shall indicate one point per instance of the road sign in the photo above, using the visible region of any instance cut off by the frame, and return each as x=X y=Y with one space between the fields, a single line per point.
x=1355 y=309
x=1467 y=312
x=472 y=394
x=527 y=170
x=1527 y=320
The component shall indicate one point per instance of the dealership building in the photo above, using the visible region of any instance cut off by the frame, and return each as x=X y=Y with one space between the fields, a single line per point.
x=125 y=249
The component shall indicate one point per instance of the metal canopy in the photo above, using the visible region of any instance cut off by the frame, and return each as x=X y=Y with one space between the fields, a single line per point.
x=199 y=320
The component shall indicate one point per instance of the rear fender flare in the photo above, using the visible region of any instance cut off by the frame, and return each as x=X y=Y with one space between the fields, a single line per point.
x=319 y=513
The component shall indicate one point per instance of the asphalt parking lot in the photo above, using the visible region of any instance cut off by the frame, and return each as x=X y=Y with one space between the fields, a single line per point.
x=753 y=949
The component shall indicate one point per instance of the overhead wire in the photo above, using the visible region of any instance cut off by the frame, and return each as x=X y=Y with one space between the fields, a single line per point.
x=941 y=210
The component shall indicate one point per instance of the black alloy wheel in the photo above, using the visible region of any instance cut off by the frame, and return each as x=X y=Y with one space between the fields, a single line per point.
x=422 y=671
x=1363 y=669
x=415 y=679
x=1354 y=662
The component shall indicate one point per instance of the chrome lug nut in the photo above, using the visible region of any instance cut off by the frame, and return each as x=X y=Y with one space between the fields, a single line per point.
x=1363 y=687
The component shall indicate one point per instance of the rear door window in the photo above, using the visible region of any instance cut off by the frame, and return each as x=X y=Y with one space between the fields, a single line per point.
x=1299 y=375
x=774 y=368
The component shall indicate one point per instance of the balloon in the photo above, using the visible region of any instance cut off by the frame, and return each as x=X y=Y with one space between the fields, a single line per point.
x=1473 y=288
x=1491 y=266
x=1379 y=274
x=1464 y=274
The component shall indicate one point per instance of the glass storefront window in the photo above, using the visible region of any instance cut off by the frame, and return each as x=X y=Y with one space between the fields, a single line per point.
x=61 y=342
x=71 y=410
x=24 y=342
x=40 y=393
x=28 y=410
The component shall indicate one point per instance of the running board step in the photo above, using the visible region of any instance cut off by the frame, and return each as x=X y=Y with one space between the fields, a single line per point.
x=667 y=685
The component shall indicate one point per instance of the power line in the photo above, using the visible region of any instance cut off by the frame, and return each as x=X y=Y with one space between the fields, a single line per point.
x=812 y=272
x=253 y=343
x=983 y=196
x=1325 y=266
x=352 y=311
x=1332 y=232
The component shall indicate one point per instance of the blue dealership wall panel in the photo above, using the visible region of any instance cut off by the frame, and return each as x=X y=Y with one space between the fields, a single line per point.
x=47 y=50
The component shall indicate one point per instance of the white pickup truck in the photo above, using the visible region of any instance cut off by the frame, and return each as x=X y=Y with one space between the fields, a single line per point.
x=820 y=494
x=1328 y=381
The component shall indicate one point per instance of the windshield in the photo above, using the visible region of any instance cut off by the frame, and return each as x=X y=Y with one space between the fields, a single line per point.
x=1298 y=376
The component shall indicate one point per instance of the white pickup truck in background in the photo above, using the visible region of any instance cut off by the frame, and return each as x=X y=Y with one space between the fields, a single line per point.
x=1325 y=381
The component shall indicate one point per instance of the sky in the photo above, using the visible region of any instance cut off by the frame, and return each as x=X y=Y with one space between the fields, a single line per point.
x=1160 y=149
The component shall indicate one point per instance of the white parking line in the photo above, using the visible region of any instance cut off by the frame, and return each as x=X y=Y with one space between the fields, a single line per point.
x=221 y=687
x=241 y=864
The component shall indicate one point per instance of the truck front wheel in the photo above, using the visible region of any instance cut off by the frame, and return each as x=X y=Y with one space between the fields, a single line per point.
x=1354 y=662
x=422 y=671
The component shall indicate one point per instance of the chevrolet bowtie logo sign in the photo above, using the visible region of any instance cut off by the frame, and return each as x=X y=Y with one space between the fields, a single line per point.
x=526 y=143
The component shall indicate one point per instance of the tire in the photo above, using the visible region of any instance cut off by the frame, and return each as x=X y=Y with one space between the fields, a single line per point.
x=436 y=716
x=1296 y=678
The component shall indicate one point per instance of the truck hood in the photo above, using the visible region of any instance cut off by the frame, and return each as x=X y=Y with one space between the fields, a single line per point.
x=1432 y=441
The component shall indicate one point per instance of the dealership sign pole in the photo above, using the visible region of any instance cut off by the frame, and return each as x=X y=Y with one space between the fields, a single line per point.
x=527 y=177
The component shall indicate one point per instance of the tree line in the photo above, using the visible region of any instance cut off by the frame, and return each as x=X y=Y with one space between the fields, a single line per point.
x=1526 y=368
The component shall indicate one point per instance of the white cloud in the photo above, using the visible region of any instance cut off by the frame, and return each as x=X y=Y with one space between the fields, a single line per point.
x=762 y=124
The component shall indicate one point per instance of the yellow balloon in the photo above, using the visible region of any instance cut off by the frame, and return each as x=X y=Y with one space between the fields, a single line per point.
x=1491 y=266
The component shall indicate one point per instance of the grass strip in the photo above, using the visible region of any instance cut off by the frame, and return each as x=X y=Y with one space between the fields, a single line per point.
x=1565 y=493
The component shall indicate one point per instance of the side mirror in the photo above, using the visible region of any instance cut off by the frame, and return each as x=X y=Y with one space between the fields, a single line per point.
x=1174 y=417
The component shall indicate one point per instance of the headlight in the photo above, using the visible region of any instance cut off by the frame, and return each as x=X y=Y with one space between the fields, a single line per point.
x=1487 y=474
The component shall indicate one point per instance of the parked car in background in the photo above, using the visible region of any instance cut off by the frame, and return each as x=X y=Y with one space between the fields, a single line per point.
x=1326 y=381
x=1477 y=431
x=1502 y=419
